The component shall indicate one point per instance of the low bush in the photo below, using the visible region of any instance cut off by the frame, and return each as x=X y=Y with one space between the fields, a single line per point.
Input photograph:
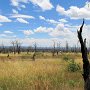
x=73 y=66
x=66 y=58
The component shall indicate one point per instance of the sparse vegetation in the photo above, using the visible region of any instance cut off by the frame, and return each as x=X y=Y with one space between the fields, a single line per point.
x=43 y=74
x=66 y=58
x=73 y=66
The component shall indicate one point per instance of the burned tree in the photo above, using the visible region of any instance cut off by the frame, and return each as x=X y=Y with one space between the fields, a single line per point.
x=35 y=50
x=67 y=47
x=53 y=52
x=13 y=43
x=18 y=46
x=86 y=65
x=58 y=47
x=3 y=49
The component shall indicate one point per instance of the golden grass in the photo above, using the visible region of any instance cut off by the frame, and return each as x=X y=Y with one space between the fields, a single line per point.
x=42 y=74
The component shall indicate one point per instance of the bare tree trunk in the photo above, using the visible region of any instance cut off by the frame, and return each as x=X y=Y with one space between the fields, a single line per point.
x=33 y=57
x=35 y=50
x=86 y=65
x=13 y=43
x=53 y=52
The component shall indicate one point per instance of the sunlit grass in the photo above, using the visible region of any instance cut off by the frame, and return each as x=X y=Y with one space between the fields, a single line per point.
x=42 y=74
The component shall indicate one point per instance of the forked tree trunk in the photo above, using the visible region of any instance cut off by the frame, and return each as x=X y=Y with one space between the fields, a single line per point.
x=86 y=65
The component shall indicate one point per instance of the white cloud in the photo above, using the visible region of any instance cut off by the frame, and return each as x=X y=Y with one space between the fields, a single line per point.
x=1 y=24
x=42 y=18
x=22 y=20
x=4 y=19
x=52 y=21
x=43 y=30
x=75 y=12
x=43 y=4
x=23 y=6
x=46 y=42
x=16 y=3
x=63 y=20
x=30 y=41
x=49 y=20
x=27 y=32
x=22 y=16
x=86 y=32
x=61 y=30
x=14 y=11
x=3 y=35
x=60 y=9
x=8 y=32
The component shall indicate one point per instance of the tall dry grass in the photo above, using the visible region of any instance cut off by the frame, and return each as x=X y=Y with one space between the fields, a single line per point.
x=43 y=74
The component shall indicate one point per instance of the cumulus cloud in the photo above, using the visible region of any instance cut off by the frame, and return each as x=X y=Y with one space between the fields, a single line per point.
x=17 y=3
x=41 y=17
x=8 y=32
x=1 y=24
x=6 y=37
x=59 y=31
x=75 y=12
x=63 y=20
x=28 y=32
x=60 y=9
x=56 y=33
x=22 y=20
x=46 y=42
x=22 y=16
x=52 y=21
x=43 y=30
x=3 y=35
x=14 y=11
x=4 y=19
x=23 y=6
x=30 y=41
x=43 y=4
x=63 y=33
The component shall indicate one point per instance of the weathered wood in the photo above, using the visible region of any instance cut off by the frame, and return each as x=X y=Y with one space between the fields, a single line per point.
x=86 y=65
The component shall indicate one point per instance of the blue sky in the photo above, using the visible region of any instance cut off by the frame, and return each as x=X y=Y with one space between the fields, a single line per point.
x=43 y=21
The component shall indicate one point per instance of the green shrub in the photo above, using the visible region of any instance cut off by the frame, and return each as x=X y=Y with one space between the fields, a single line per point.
x=72 y=83
x=66 y=58
x=73 y=66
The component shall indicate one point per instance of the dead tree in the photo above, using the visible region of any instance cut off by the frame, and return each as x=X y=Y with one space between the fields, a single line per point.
x=3 y=48
x=18 y=46
x=53 y=52
x=67 y=47
x=35 y=50
x=86 y=65
x=13 y=43
x=58 y=48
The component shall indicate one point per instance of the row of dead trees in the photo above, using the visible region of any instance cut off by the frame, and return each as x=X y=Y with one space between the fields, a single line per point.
x=55 y=49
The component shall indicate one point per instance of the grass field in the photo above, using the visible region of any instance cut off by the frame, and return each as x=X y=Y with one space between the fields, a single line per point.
x=46 y=73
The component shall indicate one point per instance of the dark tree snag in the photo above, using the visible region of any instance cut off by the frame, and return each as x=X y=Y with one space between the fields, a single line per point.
x=35 y=50
x=33 y=57
x=53 y=52
x=86 y=64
